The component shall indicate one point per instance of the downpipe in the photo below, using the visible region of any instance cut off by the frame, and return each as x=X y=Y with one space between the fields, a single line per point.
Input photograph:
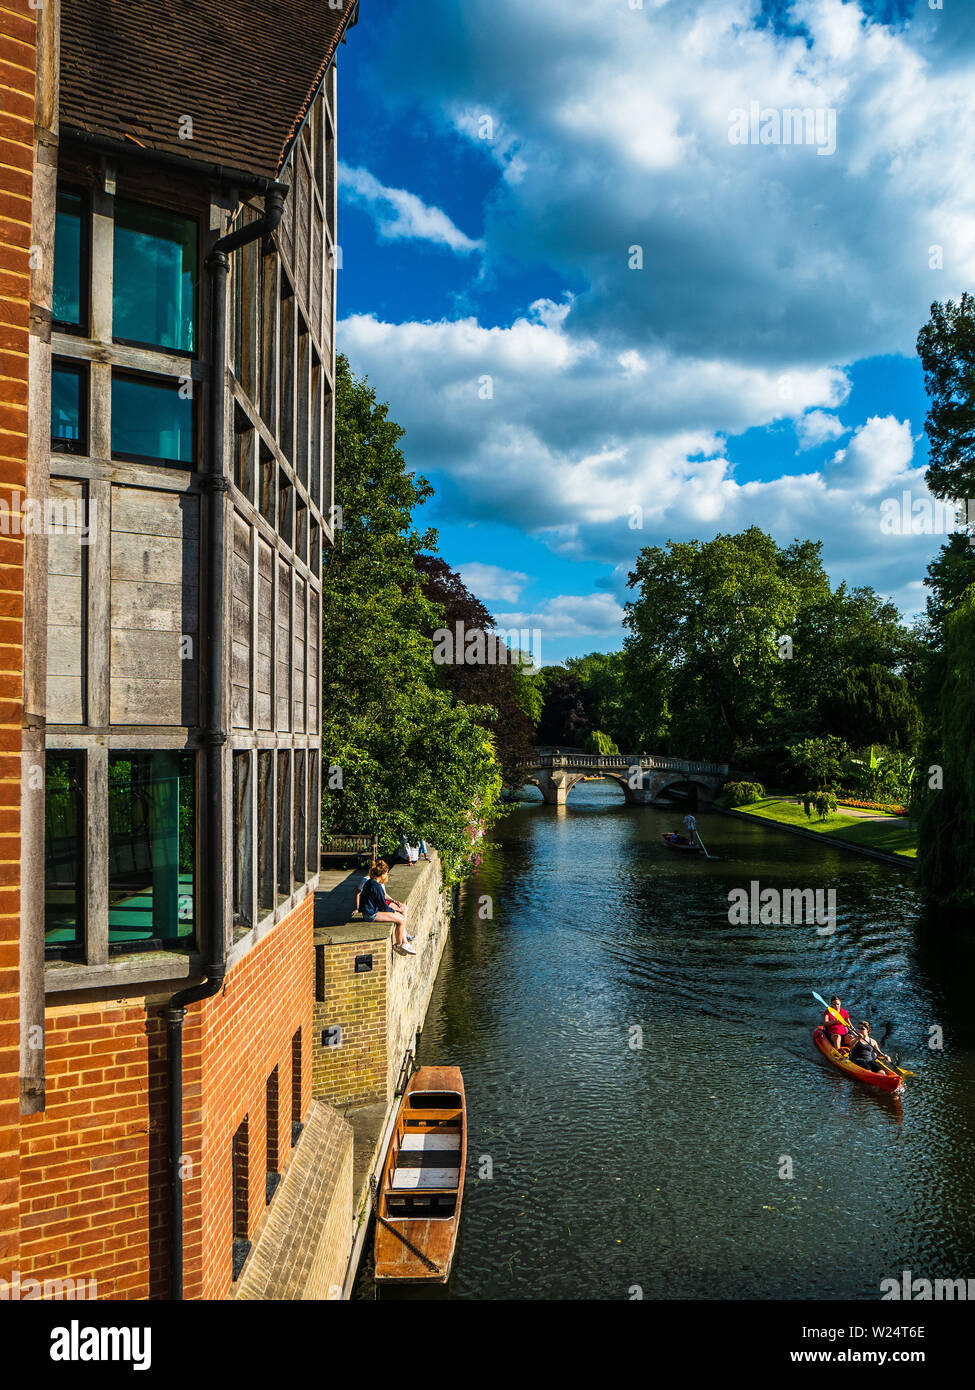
x=217 y=266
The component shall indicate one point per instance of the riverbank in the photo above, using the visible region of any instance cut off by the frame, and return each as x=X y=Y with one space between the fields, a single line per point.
x=882 y=836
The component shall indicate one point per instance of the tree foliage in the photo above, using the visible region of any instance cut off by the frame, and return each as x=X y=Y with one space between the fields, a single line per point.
x=400 y=753
x=733 y=642
x=497 y=682
x=946 y=780
x=946 y=347
x=871 y=704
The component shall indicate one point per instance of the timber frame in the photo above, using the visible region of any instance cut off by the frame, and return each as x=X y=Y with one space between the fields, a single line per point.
x=126 y=613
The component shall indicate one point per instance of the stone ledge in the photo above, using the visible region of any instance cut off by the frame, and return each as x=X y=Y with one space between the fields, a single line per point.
x=334 y=924
x=303 y=1248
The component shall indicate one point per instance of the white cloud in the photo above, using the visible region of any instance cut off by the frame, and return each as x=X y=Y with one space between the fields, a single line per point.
x=574 y=447
x=492 y=582
x=818 y=427
x=610 y=126
x=398 y=213
x=602 y=423
x=569 y=615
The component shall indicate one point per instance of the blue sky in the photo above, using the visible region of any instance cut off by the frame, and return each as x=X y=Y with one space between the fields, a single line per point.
x=609 y=313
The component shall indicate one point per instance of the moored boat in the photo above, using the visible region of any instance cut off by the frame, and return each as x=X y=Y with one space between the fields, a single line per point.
x=674 y=841
x=883 y=1081
x=419 y=1198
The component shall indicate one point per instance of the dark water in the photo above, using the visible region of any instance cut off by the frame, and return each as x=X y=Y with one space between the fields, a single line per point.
x=658 y=1167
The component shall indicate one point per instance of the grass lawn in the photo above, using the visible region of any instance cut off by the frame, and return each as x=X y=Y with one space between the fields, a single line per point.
x=893 y=833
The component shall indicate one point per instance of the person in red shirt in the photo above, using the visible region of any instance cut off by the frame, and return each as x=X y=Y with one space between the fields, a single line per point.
x=837 y=1033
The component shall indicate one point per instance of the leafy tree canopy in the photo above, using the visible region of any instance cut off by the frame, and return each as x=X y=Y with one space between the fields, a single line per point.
x=400 y=753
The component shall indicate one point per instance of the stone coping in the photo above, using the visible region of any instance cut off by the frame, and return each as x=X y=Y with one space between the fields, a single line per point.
x=334 y=924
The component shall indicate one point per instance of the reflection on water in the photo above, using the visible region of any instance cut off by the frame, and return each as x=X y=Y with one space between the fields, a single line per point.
x=658 y=1166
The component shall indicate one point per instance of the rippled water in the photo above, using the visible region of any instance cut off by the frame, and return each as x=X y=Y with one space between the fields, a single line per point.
x=658 y=1167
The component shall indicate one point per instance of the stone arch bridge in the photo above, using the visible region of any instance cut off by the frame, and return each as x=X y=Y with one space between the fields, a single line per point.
x=643 y=776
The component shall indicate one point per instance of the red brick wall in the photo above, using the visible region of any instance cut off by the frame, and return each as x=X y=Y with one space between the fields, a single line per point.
x=17 y=78
x=229 y=1053
x=94 y=1195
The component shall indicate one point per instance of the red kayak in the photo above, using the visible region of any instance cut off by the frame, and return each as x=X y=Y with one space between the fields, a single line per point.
x=675 y=841
x=882 y=1080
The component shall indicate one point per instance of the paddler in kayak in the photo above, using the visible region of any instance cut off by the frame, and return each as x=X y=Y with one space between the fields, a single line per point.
x=865 y=1049
x=836 y=1033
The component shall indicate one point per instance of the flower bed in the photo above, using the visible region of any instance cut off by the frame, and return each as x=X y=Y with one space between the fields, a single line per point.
x=893 y=808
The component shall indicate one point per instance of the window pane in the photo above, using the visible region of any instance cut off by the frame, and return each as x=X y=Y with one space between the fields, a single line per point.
x=243 y=843
x=299 y=820
x=150 y=419
x=64 y=853
x=67 y=406
x=265 y=830
x=154 y=293
x=67 y=259
x=284 y=826
x=151 y=848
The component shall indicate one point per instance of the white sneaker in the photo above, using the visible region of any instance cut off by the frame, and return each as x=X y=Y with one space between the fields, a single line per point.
x=406 y=950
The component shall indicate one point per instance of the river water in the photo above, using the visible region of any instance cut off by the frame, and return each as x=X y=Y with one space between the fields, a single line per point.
x=602 y=1170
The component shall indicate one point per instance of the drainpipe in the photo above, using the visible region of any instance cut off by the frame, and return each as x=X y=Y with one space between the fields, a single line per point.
x=217 y=265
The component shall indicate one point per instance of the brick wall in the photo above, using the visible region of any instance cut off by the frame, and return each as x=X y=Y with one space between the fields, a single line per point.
x=378 y=1011
x=231 y=1045
x=94 y=1165
x=17 y=80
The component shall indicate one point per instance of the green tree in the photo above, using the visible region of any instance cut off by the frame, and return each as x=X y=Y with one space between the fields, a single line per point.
x=400 y=753
x=603 y=683
x=598 y=742
x=871 y=704
x=946 y=771
x=946 y=347
x=948 y=576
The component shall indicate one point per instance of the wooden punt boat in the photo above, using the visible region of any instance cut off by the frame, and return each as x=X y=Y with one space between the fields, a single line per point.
x=675 y=841
x=419 y=1198
x=882 y=1081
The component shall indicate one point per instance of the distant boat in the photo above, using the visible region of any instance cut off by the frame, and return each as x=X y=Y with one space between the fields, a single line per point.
x=419 y=1198
x=674 y=841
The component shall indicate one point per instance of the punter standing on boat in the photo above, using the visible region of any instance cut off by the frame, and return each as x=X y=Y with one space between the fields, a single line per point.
x=865 y=1049
x=690 y=825
x=837 y=1034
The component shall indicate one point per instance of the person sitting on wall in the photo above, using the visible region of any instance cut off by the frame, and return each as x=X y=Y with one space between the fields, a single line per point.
x=375 y=906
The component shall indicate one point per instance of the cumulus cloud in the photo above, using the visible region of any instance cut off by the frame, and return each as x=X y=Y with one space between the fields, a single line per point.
x=398 y=213
x=555 y=435
x=724 y=286
x=818 y=427
x=492 y=582
x=569 y=615
x=610 y=126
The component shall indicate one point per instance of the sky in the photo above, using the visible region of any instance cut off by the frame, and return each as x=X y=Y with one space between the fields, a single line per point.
x=616 y=296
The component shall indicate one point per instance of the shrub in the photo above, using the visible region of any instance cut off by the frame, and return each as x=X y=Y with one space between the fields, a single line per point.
x=741 y=793
x=822 y=801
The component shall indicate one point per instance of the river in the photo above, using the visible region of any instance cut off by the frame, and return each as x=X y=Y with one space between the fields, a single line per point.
x=600 y=1169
